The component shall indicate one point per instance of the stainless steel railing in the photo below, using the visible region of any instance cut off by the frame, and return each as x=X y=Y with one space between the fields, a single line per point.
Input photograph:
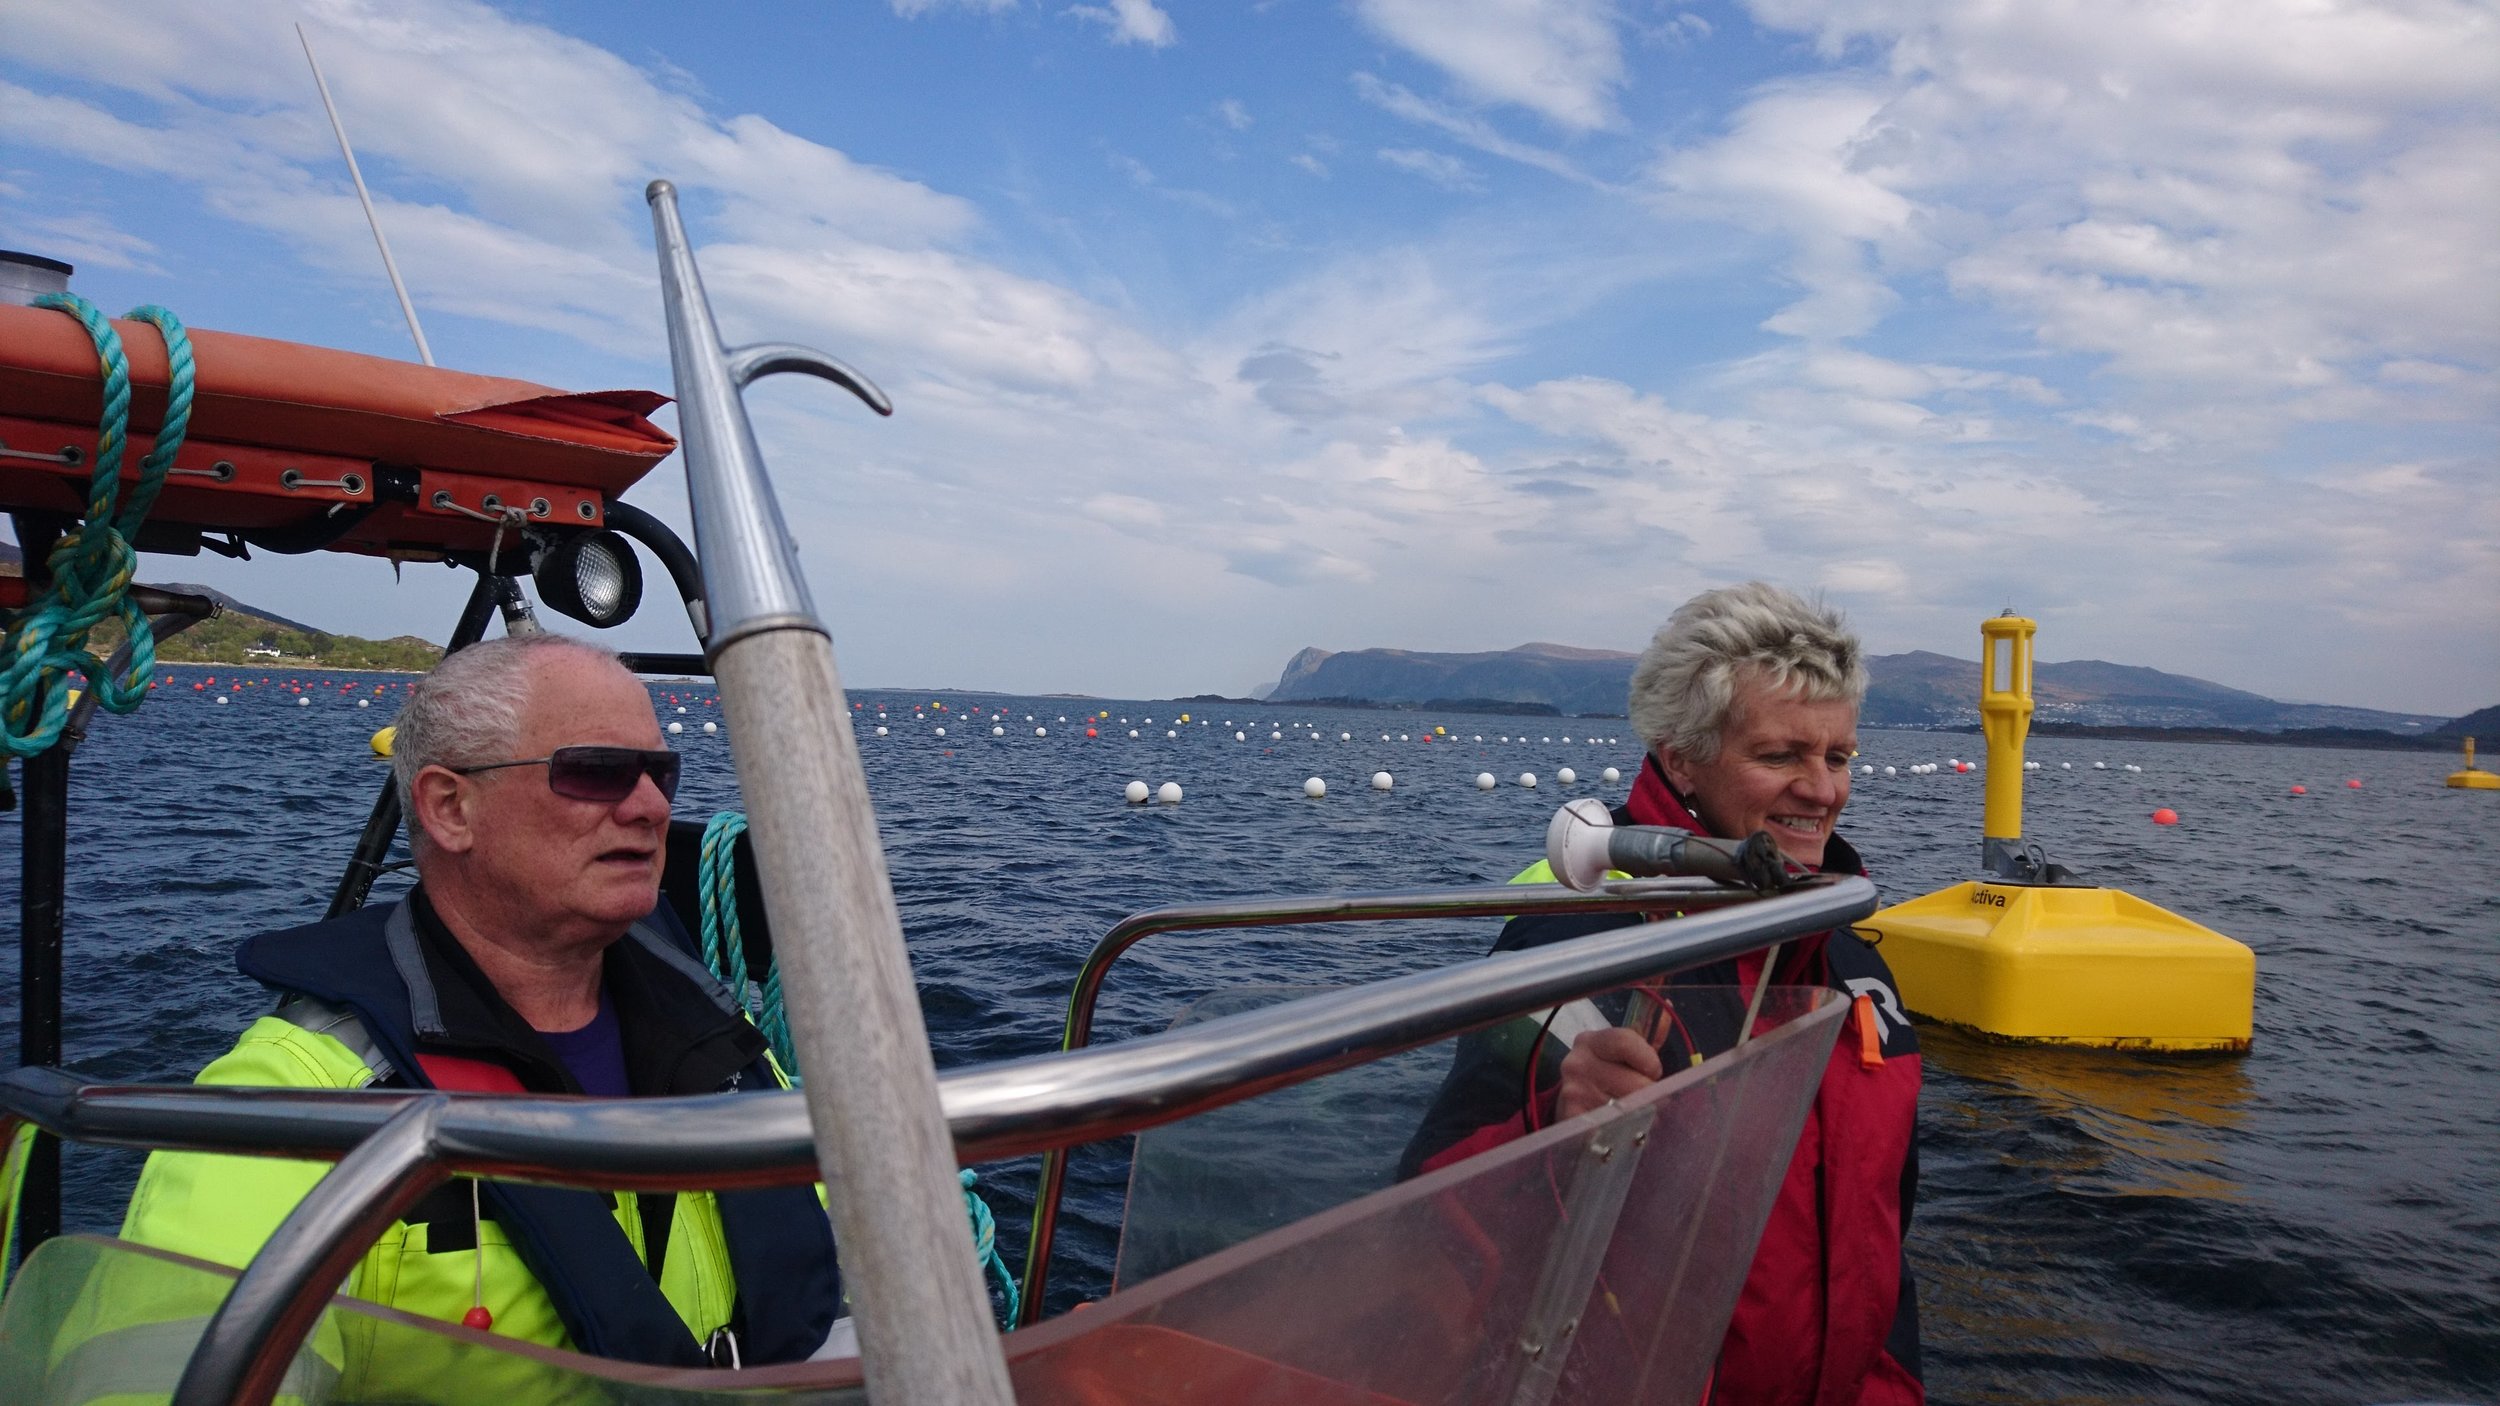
x=1681 y=895
x=1008 y=1109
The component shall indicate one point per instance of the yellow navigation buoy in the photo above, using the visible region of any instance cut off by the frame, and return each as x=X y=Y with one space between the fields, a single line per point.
x=383 y=739
x=2029 y=955
x=2473 y=778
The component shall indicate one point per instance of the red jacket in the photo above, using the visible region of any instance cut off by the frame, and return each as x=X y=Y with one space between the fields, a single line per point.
x=1828 y=1315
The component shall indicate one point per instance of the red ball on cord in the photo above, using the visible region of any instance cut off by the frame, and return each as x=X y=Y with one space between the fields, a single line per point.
x=478 y=1317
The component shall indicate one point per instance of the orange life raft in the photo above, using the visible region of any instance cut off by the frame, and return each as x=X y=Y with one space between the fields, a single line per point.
x=295 y=446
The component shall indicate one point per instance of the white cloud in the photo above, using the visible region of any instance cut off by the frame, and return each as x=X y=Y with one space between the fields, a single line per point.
x=914 y=9
x=1131 y=22
x=84 y=239
x=1474 y=131
x=1557 y=58
x=2243 y=212
x=1233 y=114
x=1123 y=511
x=1443 y=170
x=2050 y=307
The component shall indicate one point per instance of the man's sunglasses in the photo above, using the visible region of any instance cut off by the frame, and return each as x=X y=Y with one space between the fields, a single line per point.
x=607 y=774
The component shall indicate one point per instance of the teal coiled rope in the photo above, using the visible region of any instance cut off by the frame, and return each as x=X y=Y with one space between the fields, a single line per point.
x=724 y=951
x=92 y=565
x=724 y=945
x=985 y=1248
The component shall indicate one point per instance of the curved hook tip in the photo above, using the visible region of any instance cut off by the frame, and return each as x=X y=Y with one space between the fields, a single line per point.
x=751 y=363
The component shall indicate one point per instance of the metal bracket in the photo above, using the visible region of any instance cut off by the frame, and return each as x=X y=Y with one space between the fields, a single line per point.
x=2020 y=862
x=1599 y=1186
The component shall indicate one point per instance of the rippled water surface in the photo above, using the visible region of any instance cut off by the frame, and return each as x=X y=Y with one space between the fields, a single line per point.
x=2318 y=1221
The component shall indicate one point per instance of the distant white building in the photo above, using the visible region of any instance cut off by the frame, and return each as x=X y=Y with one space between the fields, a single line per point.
x=256 y=651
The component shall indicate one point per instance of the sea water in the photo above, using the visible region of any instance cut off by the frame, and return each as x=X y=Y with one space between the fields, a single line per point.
x=2316 y=1221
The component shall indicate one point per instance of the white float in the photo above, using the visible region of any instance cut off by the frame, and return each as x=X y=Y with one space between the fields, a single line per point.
x=1528 y=779
x=1382 y=781
x=1610 y=776
x=676 y=728
x=1315 y=788
x=1485 y=781
x=881 y=732
x=1169 y=793
x=710 y=728
x=1137 y=793
x=941 y=732
x=998 y=732
x=1041 y=732
x=1566 y=776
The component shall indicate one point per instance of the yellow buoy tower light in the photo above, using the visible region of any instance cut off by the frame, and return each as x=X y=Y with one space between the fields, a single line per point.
x=2473 y=778
x=2029 y=954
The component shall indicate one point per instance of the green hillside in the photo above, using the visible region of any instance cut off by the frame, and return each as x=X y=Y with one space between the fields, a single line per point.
x=229 y=637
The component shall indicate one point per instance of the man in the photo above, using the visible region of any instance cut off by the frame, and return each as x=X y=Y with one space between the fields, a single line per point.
x=1747 y=701
x=528 y=958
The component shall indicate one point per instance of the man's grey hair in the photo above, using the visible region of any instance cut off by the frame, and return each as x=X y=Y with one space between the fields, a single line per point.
x=1684 y=687
x=468 y=711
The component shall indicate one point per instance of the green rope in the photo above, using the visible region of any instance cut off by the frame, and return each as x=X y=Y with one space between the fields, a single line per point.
x=724 y=951
x=985 y=1248
x=93 y=563
x=724 y=946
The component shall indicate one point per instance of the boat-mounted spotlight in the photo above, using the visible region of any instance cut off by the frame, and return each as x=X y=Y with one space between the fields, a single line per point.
x=592 y=577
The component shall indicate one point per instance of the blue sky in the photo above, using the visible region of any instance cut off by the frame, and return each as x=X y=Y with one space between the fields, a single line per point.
x=1217 y=331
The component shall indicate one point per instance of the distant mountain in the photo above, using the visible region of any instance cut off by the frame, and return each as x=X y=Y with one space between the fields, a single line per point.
x=13 y=562
x=1924 y=689
x=1560 y=677
x=190 y=588
x=1918 y=689
x=2482 y=723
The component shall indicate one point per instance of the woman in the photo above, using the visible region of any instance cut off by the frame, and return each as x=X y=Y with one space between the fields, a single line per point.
x=1747 y=701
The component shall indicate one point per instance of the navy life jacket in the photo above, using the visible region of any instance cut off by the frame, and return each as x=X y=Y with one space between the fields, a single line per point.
x=400 y=986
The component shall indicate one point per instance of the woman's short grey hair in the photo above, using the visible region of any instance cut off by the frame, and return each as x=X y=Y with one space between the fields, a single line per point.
x=1684 y=686
x=468 y=711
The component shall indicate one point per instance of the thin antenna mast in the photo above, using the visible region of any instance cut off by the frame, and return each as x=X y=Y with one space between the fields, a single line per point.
x=389 y=265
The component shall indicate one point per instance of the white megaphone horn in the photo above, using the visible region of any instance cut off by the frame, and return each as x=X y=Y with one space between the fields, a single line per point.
x=1583 y=842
